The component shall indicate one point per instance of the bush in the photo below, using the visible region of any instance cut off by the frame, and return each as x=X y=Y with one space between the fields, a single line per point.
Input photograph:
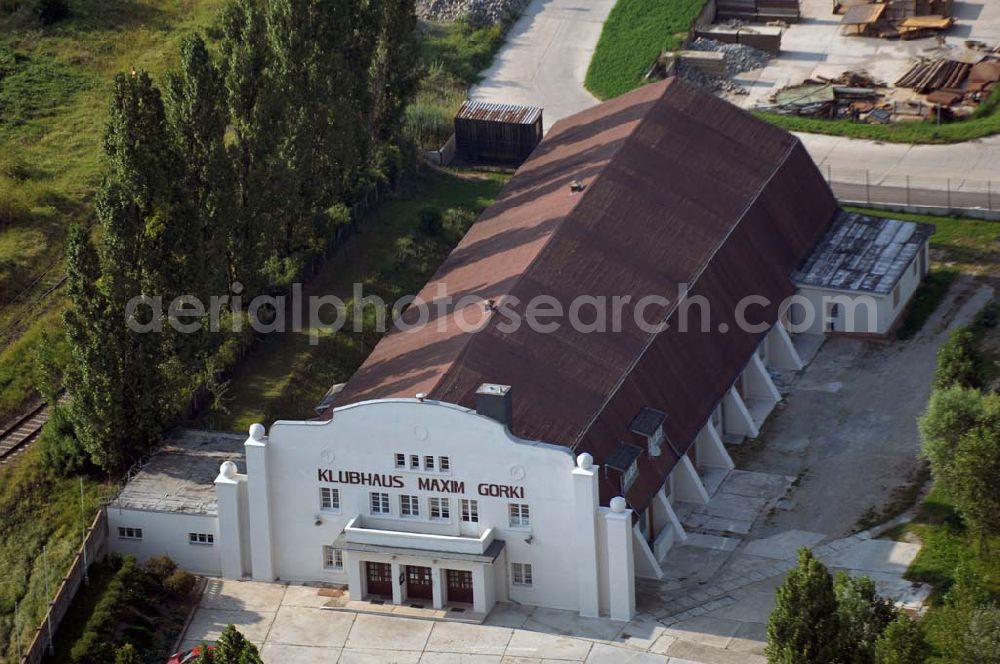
x=958 y=361
x=902 y=642
x=457 y=221
x=180 y=584
x=862 y=616
x=982 y=638
x=51 y=11
x=160 y=567
x=430 y=220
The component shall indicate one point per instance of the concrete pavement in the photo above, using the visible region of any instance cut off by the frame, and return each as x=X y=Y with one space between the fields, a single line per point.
x=548 y=51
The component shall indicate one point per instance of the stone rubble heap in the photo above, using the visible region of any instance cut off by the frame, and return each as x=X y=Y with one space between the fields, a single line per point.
x=479 y=12
x=739 y=58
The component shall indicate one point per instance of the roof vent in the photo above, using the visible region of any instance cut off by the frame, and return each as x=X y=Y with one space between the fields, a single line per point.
x=576 y=186
x=649 y=424
x=494 y=401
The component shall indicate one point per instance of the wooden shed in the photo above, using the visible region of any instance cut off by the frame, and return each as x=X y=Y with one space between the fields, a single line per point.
x=497 y=133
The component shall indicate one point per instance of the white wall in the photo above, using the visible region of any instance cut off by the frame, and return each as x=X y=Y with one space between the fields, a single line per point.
x=166 y=533
x=365 y=437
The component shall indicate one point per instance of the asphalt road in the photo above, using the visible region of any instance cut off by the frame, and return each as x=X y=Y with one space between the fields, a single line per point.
x=545 y=62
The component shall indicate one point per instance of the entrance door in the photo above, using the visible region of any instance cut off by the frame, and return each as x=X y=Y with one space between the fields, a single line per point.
x=459 y=586
x=418 y=582
x=379 y=576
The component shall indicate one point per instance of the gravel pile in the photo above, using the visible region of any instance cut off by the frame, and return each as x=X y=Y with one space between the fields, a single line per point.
x=479 y=12
x=739 y=58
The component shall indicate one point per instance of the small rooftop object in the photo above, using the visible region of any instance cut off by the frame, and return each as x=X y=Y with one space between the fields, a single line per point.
x=497 y=133
x=329 y=398
x=863 y=253
x=623 y=457
x=647 y=422
x=180 y=477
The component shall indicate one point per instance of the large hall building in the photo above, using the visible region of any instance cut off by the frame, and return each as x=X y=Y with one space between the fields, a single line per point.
x=459 y=469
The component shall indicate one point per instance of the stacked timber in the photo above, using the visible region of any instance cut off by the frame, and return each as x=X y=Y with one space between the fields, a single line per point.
x=929 y=75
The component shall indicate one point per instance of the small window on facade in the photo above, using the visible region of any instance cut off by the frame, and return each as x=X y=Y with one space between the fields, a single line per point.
x=414 y=462
x=329 y=498
x=201 y=538
x=409 y=506
x=400 y=460
x=520 y=517
x=130 y=533
x=895 y=296
x=333 y=558
x=380 y=503
x=444 y=464
x=428 y=463
x=470 y=510
x=440 y=509
x=520 y=574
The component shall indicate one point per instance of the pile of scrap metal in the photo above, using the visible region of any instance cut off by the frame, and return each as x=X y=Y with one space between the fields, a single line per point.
x=896 y=19
x=960 y=80
x=853 y=95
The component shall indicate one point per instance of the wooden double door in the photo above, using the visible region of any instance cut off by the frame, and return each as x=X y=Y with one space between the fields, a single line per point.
x=459 y=585
x=379 y=578
x=418 y=582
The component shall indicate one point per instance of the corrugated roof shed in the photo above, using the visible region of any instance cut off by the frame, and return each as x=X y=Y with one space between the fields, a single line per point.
x=491 y=112
x=679 y=188
x=863 y=253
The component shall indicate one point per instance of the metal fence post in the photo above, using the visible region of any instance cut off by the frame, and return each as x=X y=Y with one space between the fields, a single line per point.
x=868 y=187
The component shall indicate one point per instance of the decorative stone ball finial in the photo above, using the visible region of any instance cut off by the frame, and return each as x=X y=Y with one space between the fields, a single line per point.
x=257 y=431
x=618 y=505
x=228 y=470
x=585 y=460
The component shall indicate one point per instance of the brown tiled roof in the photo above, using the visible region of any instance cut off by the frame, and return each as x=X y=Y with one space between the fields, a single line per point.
x=679 y=188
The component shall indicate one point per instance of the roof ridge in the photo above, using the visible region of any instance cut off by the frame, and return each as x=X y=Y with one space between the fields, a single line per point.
x=651 y=337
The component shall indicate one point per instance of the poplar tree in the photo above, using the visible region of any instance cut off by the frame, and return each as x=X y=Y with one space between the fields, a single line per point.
x=395 y=73
x=253 y=110
x=121 y=393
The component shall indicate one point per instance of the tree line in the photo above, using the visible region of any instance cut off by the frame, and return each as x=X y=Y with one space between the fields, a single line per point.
x=226 y=178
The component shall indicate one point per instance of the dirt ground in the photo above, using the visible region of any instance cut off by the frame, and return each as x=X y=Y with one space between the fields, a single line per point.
x=848 y=429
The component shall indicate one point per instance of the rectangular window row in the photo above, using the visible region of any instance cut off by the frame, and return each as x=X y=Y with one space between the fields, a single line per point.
x=201 y=538
x=439 y=509
x=426 y=463
x=130 y=533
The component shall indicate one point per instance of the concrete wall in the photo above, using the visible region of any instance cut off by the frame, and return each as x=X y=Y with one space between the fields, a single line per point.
x=166 y=533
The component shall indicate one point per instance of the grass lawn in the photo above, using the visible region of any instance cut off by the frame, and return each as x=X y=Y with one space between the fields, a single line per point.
x=285 y=376
x=633 y=36
x=946 y=543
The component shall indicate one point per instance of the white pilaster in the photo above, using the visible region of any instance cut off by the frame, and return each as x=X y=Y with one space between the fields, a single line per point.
x=437 y=588
x=781 y=353
x=230 y=544
x=480 y=593
x=397 y=585
x=259 y=499
x=688 y=486
x=736 y=418
x=355 y=576
x=621 y=564
x=585 y=497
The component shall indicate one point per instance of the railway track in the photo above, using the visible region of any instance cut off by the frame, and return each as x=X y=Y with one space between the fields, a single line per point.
x=19 y=433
